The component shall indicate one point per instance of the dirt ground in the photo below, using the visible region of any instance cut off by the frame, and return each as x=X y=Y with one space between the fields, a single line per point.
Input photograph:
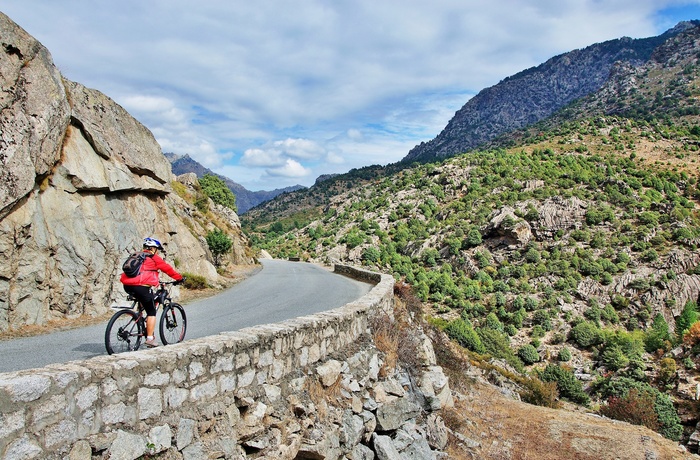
x=234 y=275
x=493 y=426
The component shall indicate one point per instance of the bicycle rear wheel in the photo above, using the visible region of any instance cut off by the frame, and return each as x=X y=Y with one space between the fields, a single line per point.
x=124 y=332
x=173 y=324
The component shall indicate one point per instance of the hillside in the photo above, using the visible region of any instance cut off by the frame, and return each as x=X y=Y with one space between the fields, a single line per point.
x=567 y=250
x=245 y=199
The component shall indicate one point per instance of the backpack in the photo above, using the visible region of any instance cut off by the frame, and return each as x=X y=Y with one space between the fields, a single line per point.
x=132 y=265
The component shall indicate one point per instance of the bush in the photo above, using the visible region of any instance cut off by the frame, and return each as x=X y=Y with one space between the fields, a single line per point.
x=371 y=255
x=586 y=334
x=658 y=337
x=464 y=334
x=564 y=355
x=669 y=422
x=614 y=358
x=193 y=281
x=528 y=354
x=692 y=337
x=497 y=344
x=540 y=393
x=636 y=407
x=687 y=318
x=567 y=384
x=216 y=189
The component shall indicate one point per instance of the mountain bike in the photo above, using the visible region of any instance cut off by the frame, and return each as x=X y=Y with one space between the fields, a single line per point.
x=127 y=328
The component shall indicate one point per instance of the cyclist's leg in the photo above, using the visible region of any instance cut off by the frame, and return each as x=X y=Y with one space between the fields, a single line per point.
x=146 y=298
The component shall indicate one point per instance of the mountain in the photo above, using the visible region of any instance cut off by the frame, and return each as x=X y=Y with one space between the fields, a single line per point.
x=535 y=94
x=245 y=199
x=565 y=253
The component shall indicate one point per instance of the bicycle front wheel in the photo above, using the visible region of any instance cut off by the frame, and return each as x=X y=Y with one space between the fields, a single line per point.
x=124 y=332
x=173 y=324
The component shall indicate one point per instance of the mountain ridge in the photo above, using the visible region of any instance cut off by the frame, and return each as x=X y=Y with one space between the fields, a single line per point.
x=534 y=94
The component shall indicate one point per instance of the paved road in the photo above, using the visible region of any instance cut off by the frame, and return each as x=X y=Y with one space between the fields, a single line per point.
x=280 y=291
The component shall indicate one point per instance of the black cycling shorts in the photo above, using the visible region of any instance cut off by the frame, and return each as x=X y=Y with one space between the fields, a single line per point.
x=145 y=297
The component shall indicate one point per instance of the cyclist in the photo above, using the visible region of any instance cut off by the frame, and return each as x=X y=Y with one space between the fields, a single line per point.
x=140 y=285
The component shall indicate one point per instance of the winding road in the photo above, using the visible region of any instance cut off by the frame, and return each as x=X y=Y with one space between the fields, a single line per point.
x=280 y=291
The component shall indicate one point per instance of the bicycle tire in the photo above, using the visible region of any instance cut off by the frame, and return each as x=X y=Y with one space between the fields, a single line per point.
x=173 y=324
x=124 y=332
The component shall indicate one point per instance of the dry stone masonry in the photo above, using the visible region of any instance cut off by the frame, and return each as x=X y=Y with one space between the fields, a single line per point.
x=310 y=387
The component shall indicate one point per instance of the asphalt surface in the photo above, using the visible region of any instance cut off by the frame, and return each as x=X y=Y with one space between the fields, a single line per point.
x=281 y=290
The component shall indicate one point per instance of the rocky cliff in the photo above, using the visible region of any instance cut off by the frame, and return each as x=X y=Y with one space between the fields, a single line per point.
x=82 y=182
x=535 y=94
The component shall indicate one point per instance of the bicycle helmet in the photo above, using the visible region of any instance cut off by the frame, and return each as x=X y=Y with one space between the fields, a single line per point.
x=152 y=243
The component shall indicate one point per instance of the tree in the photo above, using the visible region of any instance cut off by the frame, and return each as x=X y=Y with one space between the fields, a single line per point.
x=658 y=337
x=216 y=189
x=219 y=244
x=687 y=318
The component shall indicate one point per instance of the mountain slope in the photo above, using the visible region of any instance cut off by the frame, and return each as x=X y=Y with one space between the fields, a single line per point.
x=245 y=199
x=534 y=94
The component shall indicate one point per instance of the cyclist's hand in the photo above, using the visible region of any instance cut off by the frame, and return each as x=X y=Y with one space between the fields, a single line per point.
x=180 y=281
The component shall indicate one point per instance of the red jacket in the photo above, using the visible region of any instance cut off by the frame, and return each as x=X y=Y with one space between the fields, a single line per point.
x=149 y=272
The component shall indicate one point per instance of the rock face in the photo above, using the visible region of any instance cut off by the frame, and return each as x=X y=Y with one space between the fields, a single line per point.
x=82 y=183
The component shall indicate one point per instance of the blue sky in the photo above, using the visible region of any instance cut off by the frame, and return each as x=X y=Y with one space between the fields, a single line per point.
x=275 y=93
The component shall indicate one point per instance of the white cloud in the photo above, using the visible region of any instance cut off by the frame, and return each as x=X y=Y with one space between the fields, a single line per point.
x=291 y=168
x=261 y=157
x=314 y=86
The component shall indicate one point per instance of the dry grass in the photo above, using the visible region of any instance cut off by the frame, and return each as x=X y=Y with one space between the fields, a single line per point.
x=395 y=336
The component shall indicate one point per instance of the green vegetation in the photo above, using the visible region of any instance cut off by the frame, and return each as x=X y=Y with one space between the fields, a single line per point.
x=194 y=281
x=216 y=189
x=219 y=244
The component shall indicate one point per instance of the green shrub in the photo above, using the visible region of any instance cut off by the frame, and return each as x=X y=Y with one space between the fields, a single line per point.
x=219 y=244
x=614 y=358
x=528 y=354
x=564 y=355
x=688 y=316
x=464 y=334
x=193 y=281
x=586 y=334
x=567 y=384
x=216 y=189
x=497 y=344
x=371 y=255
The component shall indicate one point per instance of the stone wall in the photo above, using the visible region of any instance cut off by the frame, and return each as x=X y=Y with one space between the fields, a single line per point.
x=261 y=392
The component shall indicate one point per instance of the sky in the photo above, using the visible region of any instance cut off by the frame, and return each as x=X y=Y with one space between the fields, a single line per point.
x=275 y=93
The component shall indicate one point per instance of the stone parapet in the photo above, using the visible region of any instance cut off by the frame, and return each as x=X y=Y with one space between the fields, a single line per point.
x=113 y=403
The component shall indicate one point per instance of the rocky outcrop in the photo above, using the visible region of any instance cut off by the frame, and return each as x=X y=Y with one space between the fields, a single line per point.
x=82 y=184
x=505 y=229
